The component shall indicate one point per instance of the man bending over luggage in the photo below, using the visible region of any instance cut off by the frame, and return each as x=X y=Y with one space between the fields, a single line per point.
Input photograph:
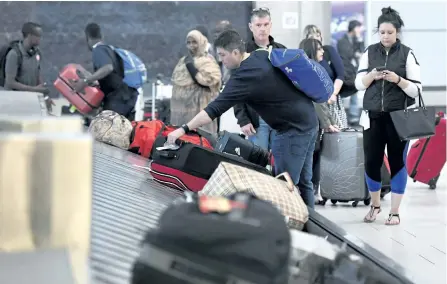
x=290 y=112
x=109 y=71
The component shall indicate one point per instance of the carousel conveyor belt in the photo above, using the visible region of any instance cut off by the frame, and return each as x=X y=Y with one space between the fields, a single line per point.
x=126 y=203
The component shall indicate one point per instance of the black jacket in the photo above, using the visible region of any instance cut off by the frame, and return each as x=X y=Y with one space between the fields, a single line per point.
x=346 y=49
x=381 y=95
x=244 y=113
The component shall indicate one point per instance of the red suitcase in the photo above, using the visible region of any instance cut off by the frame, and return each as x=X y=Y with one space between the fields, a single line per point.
x=191 y=166
x=428 y=155
x=85 y=101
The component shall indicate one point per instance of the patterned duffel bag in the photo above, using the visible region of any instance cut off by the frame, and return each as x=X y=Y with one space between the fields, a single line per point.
x=229 y=178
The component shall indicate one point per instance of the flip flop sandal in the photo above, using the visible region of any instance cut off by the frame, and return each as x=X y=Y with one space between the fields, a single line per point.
x=371 y=214
x=390 y=218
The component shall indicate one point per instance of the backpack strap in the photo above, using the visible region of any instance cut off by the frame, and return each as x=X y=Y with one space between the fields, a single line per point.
x=16 y=48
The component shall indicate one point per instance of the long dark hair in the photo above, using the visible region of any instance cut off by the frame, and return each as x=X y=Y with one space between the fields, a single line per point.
x=310 y=47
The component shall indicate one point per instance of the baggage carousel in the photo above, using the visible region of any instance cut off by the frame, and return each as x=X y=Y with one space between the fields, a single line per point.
x=126 y=203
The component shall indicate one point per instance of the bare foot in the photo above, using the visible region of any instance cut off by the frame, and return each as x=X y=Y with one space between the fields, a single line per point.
x=393 y=219
x=372 y=214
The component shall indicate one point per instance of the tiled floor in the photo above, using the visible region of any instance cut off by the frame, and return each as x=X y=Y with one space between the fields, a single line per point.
x=419 y=243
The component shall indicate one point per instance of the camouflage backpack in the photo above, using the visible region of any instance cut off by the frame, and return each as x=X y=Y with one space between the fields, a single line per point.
x=111 y=128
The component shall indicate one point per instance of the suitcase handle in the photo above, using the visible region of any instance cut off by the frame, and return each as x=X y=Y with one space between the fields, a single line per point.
x=166 y=154
x=349 y=129
x=82 y=76
x=288 y=179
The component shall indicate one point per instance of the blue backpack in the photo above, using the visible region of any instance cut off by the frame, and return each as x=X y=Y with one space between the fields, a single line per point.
x=135 y=73
x=306 y=74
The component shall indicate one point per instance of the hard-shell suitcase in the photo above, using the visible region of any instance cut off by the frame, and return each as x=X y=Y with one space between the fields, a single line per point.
x=85 y=101
x=190 y=166
x=343 y=169
x=236 y=144
x=428 y=155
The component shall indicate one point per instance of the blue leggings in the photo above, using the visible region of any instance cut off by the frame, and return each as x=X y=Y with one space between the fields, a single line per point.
x=380 y=134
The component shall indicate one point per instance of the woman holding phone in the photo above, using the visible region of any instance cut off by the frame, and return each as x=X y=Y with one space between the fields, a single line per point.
x=390 y=74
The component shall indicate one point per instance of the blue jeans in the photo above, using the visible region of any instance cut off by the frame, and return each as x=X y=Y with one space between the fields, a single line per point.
x=293 y=153
x=264 y=135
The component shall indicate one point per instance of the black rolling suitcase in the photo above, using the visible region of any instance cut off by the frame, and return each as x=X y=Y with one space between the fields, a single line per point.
x=236 y=144
x=191 y=166
x=215 y=240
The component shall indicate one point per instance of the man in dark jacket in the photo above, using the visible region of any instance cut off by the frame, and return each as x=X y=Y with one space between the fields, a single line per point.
x=252 y=125
x=350 y=49
x=289 y=111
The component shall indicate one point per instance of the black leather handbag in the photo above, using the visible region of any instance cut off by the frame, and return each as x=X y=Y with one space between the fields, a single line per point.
x=414 y=123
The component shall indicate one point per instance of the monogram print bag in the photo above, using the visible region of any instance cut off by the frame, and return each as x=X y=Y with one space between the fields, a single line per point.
x=229 y=178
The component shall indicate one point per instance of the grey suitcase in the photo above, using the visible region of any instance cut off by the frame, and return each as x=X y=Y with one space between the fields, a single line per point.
x=342 y=168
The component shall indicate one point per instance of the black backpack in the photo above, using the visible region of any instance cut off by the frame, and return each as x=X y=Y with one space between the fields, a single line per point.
x=3 y=53
x=248 y=240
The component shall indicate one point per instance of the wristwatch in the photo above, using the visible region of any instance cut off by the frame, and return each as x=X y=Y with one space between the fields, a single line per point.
x=185 y=128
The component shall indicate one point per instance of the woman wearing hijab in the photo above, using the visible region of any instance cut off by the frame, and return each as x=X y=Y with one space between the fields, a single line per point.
x=196 y=82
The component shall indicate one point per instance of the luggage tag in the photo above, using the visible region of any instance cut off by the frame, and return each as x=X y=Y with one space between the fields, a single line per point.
x=167 y=146
x=220 y=204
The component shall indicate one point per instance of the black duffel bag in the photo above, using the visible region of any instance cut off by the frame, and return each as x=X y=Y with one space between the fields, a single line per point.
x=236 y=144
x=216 y=240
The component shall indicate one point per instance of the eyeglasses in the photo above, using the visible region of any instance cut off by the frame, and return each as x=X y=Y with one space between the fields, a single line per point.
x=260 y=10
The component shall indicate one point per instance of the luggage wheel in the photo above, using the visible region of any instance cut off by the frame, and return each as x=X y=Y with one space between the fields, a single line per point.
x=322 y=202
x=355 y=203
x=432 y=182
x=334 y=202
x=367 y=202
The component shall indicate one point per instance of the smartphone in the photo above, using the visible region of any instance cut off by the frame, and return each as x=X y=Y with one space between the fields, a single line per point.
x=381 y=68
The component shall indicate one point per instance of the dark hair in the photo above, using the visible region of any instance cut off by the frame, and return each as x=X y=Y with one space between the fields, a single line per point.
x=391 y=16
x=353 y=24
x=203 y=30
x=260 y=12
x=93 y=31
x=310 y=47
x=29 y=28
x=230 y=40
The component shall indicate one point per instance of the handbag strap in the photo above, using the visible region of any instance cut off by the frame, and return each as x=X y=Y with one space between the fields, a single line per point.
x=421 y=100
